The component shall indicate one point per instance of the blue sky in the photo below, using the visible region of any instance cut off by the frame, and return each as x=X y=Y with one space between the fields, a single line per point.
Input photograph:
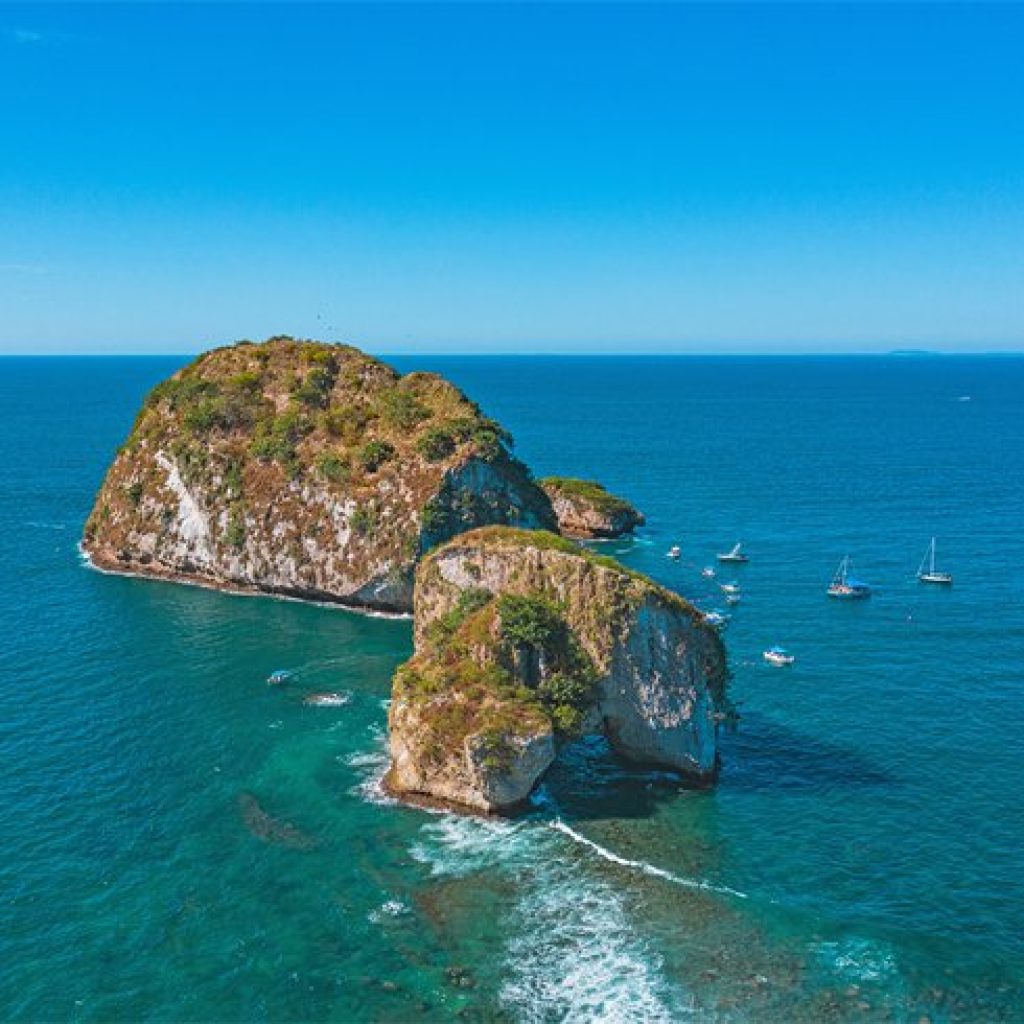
x=498 y=178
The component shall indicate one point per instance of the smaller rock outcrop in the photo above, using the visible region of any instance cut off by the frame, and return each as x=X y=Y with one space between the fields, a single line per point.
x=586 y=510
x=524 y=640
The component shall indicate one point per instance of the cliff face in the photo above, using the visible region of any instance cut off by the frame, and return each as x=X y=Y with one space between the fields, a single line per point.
x=305 y=469
x=524 y=639
x=585 y=509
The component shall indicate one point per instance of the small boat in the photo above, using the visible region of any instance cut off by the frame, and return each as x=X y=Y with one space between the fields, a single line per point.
x=733 y=598
x=930 y=575
x=278 y=677
x=778 y=656
x=675 y=551
x=327 y=700
x=717 y=619
x=735 y=555
x=707 y=572
x=844 y=586
x=729 y=588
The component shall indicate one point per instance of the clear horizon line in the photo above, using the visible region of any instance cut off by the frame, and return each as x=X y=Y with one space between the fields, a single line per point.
x=559 y=354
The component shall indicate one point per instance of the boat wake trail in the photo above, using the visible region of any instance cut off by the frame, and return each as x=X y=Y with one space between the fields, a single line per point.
x=638 y=865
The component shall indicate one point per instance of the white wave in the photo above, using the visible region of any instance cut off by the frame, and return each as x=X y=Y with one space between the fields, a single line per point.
x=857 y=959
x=365 y=759
x=576 y=957
x=456 y=845
x=390 y=908
x=372 y=765
x=46 y=526
x=643 y=866
x=572 y=953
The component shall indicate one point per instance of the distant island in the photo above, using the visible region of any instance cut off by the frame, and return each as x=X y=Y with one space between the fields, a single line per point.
x=315 y=471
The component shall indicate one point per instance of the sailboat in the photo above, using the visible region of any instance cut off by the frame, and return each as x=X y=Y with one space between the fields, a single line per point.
x=735 y=555
x=844 y=586
x=931 y=576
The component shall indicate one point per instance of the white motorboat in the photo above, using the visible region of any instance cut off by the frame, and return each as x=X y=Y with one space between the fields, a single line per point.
x=778 y=656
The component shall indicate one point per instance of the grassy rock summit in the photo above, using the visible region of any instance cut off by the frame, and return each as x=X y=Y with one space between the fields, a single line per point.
x=307 y=469
x=523 y=640
x=586 y=510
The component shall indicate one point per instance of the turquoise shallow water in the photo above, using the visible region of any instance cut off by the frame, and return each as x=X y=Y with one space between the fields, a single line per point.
x=183 y=842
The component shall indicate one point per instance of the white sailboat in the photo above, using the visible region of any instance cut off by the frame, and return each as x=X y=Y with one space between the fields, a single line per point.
x=931 y=575
x=735 y=555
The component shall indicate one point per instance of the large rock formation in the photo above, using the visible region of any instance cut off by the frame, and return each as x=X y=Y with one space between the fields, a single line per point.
x=305 y=469
x=524 y=639
x=586 y=510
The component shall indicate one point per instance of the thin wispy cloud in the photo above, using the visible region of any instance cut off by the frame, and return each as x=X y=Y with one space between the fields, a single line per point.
x=21 y=36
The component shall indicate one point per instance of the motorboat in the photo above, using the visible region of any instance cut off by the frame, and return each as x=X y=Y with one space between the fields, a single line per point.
x=778 y=656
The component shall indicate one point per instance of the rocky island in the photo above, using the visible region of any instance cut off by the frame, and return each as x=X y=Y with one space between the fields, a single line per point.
x=587 y=511
x=525 y=640
x=313 y=470
x=307 y=469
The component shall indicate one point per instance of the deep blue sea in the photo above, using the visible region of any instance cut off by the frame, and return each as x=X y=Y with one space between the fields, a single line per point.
x=182 y=842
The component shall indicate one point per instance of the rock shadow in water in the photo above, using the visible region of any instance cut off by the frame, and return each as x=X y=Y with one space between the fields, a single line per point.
x=590 y=781
x=763 y=755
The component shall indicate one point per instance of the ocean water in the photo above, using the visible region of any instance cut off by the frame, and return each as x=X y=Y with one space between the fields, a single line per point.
x=183 y=842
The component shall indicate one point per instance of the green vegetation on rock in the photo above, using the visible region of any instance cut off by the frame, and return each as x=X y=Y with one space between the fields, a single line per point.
x=524 y=638
x=311 y=436
x=586 y=509
x=589 y=490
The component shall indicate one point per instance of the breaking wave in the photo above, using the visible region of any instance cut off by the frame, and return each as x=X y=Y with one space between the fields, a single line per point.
x=572 y=952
